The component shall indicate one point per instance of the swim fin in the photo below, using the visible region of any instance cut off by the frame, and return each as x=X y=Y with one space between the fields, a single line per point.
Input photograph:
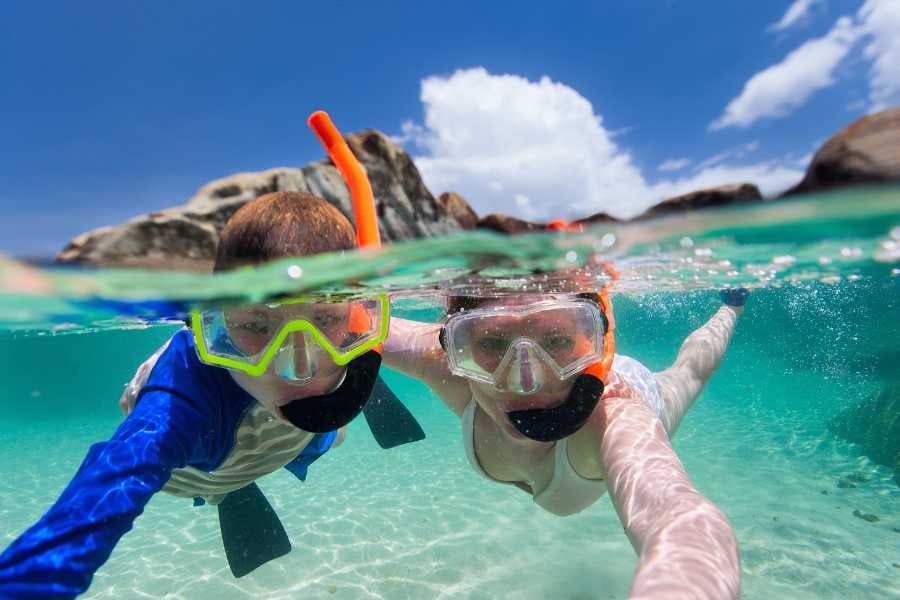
x=251 y=531
x=389 y=420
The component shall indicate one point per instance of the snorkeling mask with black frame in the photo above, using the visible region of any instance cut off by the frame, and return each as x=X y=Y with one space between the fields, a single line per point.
x=519 y=348
x=294 y=334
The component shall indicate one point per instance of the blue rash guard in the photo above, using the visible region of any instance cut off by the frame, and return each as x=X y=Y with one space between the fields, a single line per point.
x=187 y=416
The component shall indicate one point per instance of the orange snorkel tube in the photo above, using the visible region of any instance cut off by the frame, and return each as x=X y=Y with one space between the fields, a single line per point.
x=328 y=412
x=361 y=196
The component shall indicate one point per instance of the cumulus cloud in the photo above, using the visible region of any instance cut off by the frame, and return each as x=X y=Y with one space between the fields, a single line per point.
x=881 y=22
x=782 y=88
x=538 y=149
x=541 y=140
x=796 y=12
x=674 y=164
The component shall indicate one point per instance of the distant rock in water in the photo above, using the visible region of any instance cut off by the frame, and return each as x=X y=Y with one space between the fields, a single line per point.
x=185 y=237
x=457 y=207
x=706 y=198
x=875 y=425
x=510 y=225
x=867 y=151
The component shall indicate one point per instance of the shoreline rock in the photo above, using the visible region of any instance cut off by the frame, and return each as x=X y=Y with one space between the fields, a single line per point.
x=866 y=151
x=186 y=236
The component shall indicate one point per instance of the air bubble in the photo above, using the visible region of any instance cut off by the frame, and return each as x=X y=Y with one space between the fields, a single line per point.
x=686 y=242
x=295 y=271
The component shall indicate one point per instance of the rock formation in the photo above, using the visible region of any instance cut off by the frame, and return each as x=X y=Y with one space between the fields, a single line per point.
x=867 y=151
x=874 y=424
x=186 y=236
x=706 y=198
x=457 y=207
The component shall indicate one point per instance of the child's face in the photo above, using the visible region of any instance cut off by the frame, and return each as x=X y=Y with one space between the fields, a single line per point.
x=273 y=392
x=314 y=372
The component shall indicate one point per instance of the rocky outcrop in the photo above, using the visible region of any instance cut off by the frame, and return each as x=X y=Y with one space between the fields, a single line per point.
x=510 y=225
x=186 y=236
x=701 y=199
x=867 y=151
x=457 y=208
x=875 y=425
x=597 y=219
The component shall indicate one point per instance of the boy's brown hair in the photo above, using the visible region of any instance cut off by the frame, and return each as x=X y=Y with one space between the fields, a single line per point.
x=279 y=225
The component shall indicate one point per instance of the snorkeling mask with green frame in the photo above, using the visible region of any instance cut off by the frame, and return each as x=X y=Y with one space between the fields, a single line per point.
x=294 y=334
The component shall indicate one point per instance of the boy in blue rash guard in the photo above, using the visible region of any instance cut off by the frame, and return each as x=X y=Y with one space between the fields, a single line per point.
x=202 y=431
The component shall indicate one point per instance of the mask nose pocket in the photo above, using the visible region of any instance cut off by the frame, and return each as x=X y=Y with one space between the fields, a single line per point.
x=296 y=360
x=525 y=374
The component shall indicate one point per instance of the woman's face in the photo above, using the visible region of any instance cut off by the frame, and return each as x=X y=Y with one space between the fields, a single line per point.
x=554 y=331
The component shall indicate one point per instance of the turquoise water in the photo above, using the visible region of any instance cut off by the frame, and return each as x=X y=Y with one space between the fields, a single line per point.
x=821 y=333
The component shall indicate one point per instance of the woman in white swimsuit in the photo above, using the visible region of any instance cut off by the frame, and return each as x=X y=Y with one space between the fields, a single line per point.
x=548 y=407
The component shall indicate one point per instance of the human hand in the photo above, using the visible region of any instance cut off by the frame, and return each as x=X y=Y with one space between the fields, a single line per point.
x=734 y=296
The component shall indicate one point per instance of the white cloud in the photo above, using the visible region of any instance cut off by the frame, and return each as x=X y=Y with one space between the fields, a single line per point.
x=737 y=152
x=881 y=22
x=537 y=149
x=538 y=139
x=795 y=13
x=782 y=88
x=674 y=164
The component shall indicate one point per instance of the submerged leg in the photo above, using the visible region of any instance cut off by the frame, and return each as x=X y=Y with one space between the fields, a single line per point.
x=697 y=360
x=251 y=531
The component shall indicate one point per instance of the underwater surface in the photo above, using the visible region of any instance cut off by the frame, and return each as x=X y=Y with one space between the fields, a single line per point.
x=815 y=515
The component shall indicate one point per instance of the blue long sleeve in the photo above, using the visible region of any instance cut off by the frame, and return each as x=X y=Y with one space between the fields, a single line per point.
x=57 y=557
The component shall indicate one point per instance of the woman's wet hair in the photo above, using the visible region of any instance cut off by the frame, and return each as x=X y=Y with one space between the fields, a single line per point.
x=279 y=225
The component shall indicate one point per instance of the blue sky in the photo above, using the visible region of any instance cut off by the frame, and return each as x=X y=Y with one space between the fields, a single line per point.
x=111 y=109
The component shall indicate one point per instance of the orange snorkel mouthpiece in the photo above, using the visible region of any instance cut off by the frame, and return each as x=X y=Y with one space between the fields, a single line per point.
x=363 y=200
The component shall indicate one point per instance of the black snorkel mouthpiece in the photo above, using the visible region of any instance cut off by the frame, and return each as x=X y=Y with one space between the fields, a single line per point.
x=329 y=412
x=554 y=424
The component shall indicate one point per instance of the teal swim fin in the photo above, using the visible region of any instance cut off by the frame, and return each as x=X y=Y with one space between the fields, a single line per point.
x=389 y=420
x=251 y=531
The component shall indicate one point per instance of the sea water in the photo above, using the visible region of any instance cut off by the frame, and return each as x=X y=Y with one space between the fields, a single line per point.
x=821 y=334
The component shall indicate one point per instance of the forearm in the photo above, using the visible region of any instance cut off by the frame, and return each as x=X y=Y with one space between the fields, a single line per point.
x=698 y=358
x=686 y=546
x=412 y=348
x=689 y=552
x=57 y=557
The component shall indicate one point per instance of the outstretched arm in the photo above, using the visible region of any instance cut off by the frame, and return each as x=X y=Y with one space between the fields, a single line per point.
x=686 y=545
x=413 y=348
x=57 y=557
x=697 y=360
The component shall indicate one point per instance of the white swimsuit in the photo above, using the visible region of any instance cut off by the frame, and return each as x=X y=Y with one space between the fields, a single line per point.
x=568 y=492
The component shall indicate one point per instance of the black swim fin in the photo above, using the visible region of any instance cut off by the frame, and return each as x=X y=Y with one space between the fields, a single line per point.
x=389 y=420
x=251 y=531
